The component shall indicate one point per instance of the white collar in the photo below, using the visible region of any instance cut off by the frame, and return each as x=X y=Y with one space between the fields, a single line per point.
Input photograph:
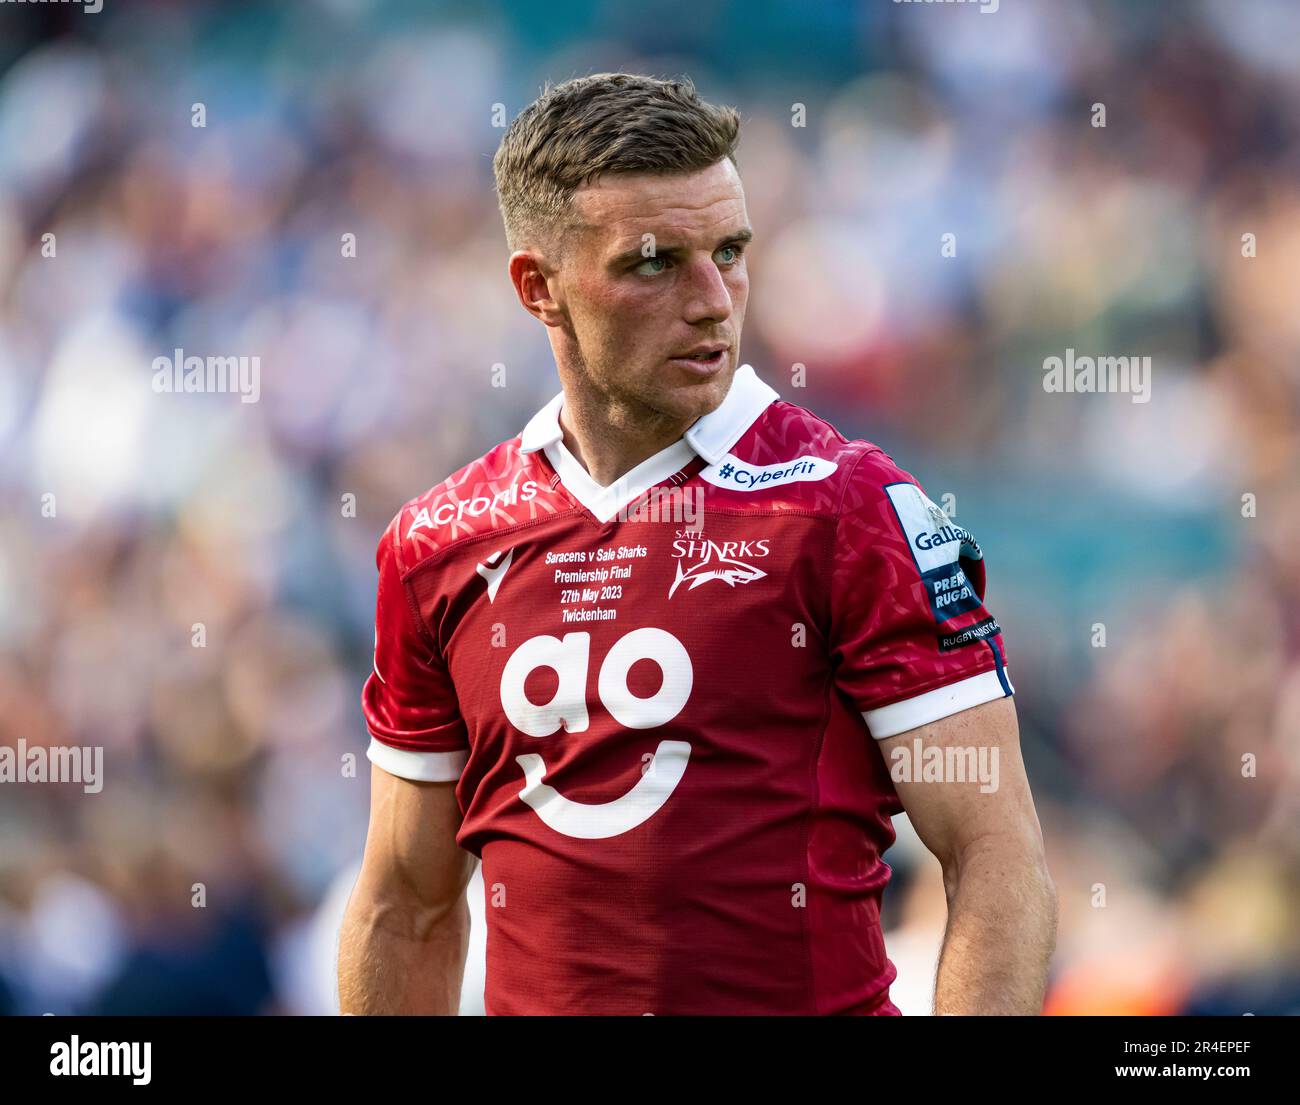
x=710 y=436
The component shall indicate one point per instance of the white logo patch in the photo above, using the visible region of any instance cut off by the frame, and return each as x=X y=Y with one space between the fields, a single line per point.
x=738 y=475
x=935 y=539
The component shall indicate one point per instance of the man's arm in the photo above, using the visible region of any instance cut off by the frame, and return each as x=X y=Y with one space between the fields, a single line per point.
x=406 y=928
x=1002 y=905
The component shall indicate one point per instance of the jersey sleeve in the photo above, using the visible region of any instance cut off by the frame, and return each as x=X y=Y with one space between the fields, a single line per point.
x=410 y=706
x=911 y=640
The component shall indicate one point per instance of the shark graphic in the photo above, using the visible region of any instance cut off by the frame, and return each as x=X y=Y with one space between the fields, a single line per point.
x=716 y=566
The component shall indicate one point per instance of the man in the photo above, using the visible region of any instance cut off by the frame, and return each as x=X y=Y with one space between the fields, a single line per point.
x=656 y=659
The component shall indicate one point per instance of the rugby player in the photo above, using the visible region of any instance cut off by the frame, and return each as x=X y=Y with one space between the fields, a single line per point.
x=670 y=660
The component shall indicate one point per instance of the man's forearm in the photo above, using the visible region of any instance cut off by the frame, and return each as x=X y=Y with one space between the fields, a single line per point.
x=1002 y=913
x=397 y=959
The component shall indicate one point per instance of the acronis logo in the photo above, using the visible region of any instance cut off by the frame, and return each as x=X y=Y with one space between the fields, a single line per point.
x=449 y=512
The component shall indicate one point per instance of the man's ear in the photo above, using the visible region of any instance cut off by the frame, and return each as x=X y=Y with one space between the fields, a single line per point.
x=534 y=282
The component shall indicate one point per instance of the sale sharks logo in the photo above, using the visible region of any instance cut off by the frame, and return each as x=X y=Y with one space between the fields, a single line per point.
x=727 y=561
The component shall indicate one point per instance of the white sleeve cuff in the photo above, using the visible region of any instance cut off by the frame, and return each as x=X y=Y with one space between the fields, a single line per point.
x=423 y=767
x=899 y=717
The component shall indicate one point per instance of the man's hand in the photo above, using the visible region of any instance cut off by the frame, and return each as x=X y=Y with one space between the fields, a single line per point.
x=1002 y=905
x=406 y=928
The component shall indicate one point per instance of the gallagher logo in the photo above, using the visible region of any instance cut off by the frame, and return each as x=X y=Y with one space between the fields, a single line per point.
x=941 y=536
x=715 y=560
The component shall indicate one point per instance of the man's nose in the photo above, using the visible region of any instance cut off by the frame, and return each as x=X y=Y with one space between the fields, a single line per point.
x=708 y=297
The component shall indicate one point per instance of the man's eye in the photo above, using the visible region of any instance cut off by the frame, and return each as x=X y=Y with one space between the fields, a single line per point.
x=643 y=271
x=735 y=252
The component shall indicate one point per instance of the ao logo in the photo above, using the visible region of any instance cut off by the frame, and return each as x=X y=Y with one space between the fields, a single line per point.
x=568 y=708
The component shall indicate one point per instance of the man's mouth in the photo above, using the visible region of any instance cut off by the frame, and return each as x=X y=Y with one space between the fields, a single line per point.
x=704 y=359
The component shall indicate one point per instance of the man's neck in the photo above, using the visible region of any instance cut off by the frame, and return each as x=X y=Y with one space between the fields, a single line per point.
x=609 y=438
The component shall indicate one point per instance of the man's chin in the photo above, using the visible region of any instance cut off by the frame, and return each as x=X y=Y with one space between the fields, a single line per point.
x=694 y=395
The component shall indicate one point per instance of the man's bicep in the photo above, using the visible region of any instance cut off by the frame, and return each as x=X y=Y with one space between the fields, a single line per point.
x=411 y=842
x=962 y=778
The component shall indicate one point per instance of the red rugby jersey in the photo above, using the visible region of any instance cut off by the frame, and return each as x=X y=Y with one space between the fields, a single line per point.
x=659 y=698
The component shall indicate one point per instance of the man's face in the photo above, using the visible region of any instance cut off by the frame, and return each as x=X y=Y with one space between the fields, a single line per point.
x=657 y=320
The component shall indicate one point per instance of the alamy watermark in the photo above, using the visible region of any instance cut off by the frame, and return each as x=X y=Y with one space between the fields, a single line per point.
x=89 y=1058
x=55 y=763
x=1074 y=374
x=682 y=505
x=986 y=7
x=203 y=375
x=945 y=764
x=91 y=7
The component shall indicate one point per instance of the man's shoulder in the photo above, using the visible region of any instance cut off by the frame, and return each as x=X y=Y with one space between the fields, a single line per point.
x=818 y=468
x=503 y=489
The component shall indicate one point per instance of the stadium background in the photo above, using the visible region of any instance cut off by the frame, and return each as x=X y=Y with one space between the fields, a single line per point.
x=222 y=763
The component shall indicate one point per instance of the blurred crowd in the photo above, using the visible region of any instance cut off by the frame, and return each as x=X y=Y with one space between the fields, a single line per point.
x=188 y=580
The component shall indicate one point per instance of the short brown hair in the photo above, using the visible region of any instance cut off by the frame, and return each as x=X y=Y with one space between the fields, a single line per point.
x=604 y=123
